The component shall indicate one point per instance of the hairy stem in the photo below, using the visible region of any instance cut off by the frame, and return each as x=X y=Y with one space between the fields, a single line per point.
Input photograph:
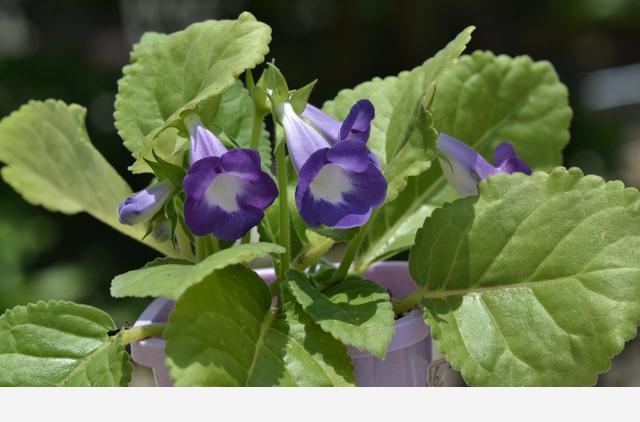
x=285 y=240
x=201 y=248
x=142 y=332
x=256 y=129
x=350 y=253
x=309 y=256
x=404 y=304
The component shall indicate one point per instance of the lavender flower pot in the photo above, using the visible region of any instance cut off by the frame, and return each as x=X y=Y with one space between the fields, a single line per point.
x=406 y=361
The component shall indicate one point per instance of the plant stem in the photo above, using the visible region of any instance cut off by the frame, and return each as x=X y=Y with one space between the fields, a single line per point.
x=310 y=256
x=404 y=304
x=201 y=248
x=246 y=238
x=350 y=253
x=214 y=244
x=285 y=241
x=256 y=129
x=142 y=332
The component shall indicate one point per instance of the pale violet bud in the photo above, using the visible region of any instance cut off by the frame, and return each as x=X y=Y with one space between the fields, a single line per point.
x=143 y=205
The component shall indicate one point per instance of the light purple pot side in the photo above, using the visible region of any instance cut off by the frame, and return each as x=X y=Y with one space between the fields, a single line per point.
x=406 y=361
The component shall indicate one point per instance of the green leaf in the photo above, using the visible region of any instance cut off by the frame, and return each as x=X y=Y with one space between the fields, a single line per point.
x=189 y=69
x=171 y=277
x=165 y=170
x=269 y=227
x=223 y=332
x=534 y=282
x=49 y=344
x=356 y=311
x=231 y=121
x=489 y=99
x=483 y=101
x=402 y=135
x=413 y=154
x=51 y=162
x=339 y=235
x=234 y=118
x=300 y=97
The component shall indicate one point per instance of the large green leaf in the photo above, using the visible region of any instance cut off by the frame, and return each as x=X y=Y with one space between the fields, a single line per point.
x=232 y=122
x=51 y=162
x=402 y=134
x=534 y=282
x=396 y=98
x=483 y=101
x=61 y=344
x=171 y=277
x=189 y=69
x=223 y=332
x=356 y=311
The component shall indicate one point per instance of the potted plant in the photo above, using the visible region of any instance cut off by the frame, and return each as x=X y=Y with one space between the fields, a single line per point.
x=523 y=278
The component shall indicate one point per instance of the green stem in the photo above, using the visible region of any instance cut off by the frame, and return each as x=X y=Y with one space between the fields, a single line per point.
x=201 y=248
x=285 y=240
x=404 y=304
x=214 y=244
x=142 y=332
x=308 y=257
x=256 y=129
x=350 y=254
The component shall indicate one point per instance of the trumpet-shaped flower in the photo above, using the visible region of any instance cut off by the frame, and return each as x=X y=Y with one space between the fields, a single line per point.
x=339 y=183
x=355 y=127
x=465 y=167
x=143 y=205
x=227 y=191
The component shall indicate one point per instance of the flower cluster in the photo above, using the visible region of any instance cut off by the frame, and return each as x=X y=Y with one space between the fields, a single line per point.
x=339 y=184
x=227 y=191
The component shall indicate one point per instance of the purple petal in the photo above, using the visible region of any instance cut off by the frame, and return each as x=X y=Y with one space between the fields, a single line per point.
x=315 y=211
x=351 y=155
x=200 y=175
x=203 y=218
x=357 y=125
x=507 y=161
x=502 y=153
x=514 y=164
x=203 y=143
x=242 y=162
x=226 y=196
x=369 y=186
x=302 y=139
x=326 y=124
x=308 y=172
x=261 y=193
x=327 y=193
x=465 y=167
x=143 y=205
x=353 y=220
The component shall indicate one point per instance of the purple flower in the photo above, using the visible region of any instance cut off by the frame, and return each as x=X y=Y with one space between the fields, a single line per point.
x=227 y=191
x=356 y=126
x=339 y=183
x=143 y=205
x=466 y=168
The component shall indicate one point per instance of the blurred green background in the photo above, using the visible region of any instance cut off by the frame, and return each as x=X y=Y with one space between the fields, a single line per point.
x=74 y=51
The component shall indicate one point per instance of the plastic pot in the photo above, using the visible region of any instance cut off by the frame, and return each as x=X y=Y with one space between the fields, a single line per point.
x=406 y=361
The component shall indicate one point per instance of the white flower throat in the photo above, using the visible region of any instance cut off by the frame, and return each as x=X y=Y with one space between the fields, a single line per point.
x=224 y=190
x=330 y=183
